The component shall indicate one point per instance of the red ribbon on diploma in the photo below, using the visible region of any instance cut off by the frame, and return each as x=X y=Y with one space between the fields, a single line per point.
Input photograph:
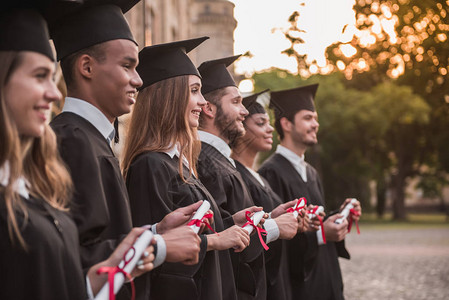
x=353 y=212
x=198 y=222
x=259 y=230
x=114 y=270
x=298 y=208
x=313 y=211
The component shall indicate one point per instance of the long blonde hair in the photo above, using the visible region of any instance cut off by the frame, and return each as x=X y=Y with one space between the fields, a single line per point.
x=36 y=159
x=159 y=121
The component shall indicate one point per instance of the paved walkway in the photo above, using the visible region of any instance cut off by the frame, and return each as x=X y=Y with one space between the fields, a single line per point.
x=410 y=263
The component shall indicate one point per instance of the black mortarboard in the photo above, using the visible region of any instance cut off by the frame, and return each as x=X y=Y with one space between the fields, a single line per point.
x=215 y=75
x=163 y=61
x=288 y=102
x=23 y=28
x=251 y=104
x=51 y=10
x=97 y=21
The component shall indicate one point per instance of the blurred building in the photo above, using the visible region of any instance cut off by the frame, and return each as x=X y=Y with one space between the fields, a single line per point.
x=162 y=21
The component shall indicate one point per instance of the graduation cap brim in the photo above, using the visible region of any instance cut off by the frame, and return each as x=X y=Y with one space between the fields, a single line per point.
x=251 y=104
x=125 y=5
x=288 y=102
x=24 y=30
x=163 y=61
x=95 y=22
x=23 y=25
x=215 y=75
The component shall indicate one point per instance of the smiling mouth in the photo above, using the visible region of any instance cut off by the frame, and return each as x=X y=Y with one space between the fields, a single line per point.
x=131 y=94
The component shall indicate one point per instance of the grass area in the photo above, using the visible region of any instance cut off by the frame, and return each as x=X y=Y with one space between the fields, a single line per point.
x=414 y=220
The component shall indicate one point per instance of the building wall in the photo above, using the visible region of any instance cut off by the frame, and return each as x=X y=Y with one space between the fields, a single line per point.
x=161 y=21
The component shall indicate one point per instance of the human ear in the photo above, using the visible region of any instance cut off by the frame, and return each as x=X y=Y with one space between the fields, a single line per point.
x=209 y=110
x=84 y=65
x=286 y=124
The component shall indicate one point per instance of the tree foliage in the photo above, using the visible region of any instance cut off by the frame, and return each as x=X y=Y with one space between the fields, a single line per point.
x=363 y=134
x=398 y=50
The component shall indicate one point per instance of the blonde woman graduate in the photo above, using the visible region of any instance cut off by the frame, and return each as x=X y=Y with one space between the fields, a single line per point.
x=39 y=251
x=160 y=170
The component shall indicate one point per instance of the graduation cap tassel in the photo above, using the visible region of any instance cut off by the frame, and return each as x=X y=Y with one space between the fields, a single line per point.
x=116 y=137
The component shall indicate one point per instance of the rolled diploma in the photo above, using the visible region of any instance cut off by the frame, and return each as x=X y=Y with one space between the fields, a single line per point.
x=300 y=203
x=312 y=216
x=256 y=219
x=317 y=212
x=202 y=210
x=139 y=246
x=345 y=211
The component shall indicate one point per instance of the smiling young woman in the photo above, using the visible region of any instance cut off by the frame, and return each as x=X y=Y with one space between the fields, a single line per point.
x=40 y=257
x=160 y=168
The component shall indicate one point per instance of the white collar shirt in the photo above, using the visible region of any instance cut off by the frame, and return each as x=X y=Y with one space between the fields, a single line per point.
x=217 y=143
x=20 y=186
x=174 y=151
x=92 y=114
x=297 y=161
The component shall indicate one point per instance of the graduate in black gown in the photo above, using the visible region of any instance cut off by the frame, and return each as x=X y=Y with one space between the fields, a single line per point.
x=259 y=137
x=39 y=251
x=316 y=274
x=98 y=59
x=159 y=166
x=220 y=123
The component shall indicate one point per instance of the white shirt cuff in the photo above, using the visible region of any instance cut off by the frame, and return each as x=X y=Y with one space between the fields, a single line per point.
x=319 y=237
x=272 y=230
x=153 y=228
x=90 y=294
x=161 y=250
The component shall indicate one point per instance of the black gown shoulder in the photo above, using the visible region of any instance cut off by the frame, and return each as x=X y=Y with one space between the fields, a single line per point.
x=317 y=267
x=100 y=203
x=276 y=259
x=155 y=189
x=229 y=190
x=50 y=268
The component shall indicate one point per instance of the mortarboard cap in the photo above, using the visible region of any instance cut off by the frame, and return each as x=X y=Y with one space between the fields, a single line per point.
x=168 y=60
x=251 y=104
x=24 y=27
x=288 y=102
x=24 y=30
x=97 y=21
x=215 y=75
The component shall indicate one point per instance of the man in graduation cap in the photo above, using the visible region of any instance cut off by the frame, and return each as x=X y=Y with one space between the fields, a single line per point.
x=98 y=58
x=220 y=124
x=315 y=271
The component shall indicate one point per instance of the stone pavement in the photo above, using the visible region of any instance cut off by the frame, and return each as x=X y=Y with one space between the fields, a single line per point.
x=408 y=263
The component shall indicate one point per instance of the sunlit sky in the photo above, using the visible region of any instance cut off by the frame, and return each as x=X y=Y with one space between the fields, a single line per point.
x=261 y=22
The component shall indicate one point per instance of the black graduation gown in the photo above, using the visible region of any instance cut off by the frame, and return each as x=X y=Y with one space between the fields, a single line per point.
x=276 y=258
x=100 y=205
x=316 y=272
x=156 y=189
x=227 y=187
x=51 y=268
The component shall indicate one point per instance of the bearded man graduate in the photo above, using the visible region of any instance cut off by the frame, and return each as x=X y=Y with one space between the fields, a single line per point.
x=98 y=58
x=315 y=274
x=220 y=123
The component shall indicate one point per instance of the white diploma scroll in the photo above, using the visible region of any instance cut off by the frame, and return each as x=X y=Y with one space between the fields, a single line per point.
x=319 y=210
x=202 y=210
x=256 y=220
x=319 y=232
x=345 y=211
x=139 y=246
x=298 y=204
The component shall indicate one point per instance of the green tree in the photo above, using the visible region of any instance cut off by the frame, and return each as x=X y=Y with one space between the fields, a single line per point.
x=405 y=42
x=363 y=136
